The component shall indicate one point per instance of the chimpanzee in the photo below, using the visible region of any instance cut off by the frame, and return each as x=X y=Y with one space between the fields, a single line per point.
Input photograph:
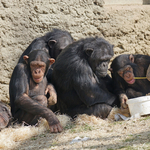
x=5 y=115
x=54 y=41
x=28 y=87
x=124 y=69
x=81 y=80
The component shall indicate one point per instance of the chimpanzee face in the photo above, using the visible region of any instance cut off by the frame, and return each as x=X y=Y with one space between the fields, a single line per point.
x=39 y=62
x=99 y=54
x=37 y=69
x=127 y=74
x=123 y=66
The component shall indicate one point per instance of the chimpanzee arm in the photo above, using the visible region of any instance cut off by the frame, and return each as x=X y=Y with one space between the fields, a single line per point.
x=20 y=85
x=51 y=94
x=120 y=92
x=31 y=106
x=89 y=91
x=131 y=93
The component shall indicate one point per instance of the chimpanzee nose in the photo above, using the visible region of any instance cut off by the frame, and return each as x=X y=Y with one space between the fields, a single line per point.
x=104 y=65
x=128 y=75
x=37 y=71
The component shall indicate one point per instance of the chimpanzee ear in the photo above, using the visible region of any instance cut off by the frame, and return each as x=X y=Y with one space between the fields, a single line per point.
x=89 y=51
x=131 y=57
x=52 y=60
x=25 y=57
x=51 y=43
x=111 y=70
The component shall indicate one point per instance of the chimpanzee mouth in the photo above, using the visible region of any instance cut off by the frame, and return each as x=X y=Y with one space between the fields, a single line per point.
x=131 y=81
x=102 y=75
x=38 y=79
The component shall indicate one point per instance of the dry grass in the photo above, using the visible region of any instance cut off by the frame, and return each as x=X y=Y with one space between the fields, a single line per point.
x=101 y=134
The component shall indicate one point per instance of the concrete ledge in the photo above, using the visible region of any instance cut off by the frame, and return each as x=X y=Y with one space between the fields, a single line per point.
x=126 y=2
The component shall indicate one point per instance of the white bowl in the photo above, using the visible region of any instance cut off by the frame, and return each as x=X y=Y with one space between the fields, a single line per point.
x=139 y=105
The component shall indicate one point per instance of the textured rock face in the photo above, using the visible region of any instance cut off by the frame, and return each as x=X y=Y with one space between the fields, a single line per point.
x=127 y=27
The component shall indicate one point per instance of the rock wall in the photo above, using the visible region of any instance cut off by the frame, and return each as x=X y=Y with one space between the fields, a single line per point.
x=127 y=27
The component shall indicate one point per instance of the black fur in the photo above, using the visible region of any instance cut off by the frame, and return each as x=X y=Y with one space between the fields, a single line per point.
x=81 y=80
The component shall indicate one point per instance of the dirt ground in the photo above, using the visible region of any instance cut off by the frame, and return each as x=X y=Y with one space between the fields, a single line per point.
x=103 y=135
x=130 y=34
x=92 y=133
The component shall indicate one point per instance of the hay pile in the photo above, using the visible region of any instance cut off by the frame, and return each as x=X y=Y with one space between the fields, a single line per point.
x=12 y=136
x=101 y=134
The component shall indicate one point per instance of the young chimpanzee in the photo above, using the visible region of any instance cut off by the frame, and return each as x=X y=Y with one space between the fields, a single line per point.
x=81 y=80
x=28 y=87
x=54 y=41
x=5 y=115
x=124 y=69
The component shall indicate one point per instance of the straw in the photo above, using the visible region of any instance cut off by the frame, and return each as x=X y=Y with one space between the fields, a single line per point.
x=140 y=77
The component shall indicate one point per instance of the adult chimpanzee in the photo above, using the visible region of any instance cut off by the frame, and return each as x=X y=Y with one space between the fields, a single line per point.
x=5 y=115
x=124 y=69
x=54 y=41
x=81 y=80
x=27 y=89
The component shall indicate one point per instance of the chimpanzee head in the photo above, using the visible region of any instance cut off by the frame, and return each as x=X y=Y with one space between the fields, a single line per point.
x=99 y=53
x=39 y=62
x=123 y=67
x=58 y=40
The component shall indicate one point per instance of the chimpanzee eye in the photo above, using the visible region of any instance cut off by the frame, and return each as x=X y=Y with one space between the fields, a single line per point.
x=129 y=68
x=33 y=65
x=4 y=109
x=43 y=66
x=120 y=73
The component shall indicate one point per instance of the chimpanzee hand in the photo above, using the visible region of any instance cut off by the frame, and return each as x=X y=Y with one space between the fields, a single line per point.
x=53 y=95
x=56 y=128
x=54 y=123
x=123 y=99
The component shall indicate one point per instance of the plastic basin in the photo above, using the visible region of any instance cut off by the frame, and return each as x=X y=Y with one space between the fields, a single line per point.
x=139 y=105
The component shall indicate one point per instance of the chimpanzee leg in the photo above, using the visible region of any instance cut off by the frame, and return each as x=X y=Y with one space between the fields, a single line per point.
x=101 y=110
x=22 y=115
x=98 y=110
